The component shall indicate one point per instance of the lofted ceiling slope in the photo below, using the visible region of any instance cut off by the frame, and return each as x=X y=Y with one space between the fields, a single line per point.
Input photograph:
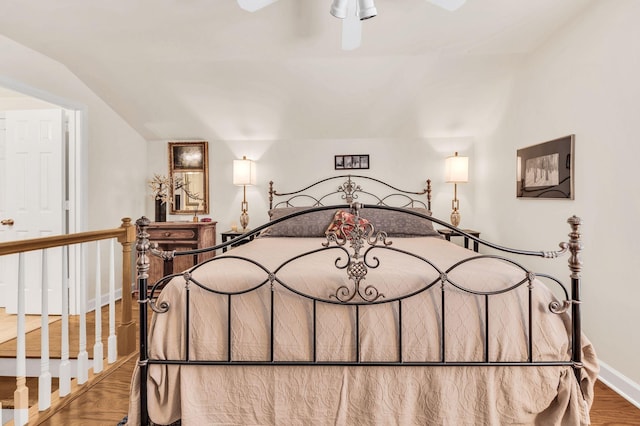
x=206 y=68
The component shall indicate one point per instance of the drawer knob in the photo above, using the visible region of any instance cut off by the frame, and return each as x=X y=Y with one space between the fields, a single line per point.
x=167 y=234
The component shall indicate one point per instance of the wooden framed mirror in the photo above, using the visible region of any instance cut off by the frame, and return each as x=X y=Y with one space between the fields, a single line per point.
x=189 y=173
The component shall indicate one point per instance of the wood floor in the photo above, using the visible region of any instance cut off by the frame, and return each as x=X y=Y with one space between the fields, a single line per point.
x=8 y=324
x=106 y=403
x=611 y=409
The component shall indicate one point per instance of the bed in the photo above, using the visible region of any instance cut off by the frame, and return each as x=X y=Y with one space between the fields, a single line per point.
x=348 y=307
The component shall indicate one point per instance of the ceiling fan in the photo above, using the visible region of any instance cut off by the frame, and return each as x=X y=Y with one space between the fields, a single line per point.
x=352 y=12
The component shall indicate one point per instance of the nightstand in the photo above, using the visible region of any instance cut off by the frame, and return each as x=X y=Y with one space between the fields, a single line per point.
x=179 y=236
x=448 y=233
x=230 y=235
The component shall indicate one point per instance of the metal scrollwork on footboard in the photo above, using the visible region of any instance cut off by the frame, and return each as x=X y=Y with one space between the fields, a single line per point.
x=356 y=271
x=359 y=235
x=564 y=247
x=164 y=255
x=560 y=307
x=161 y=308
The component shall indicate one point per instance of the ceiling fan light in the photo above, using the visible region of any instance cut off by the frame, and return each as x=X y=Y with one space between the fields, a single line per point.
x=339 y=8
x=366 y=9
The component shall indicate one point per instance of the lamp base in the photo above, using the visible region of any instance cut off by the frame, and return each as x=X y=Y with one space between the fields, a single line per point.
x=244 y=220
x=455 y=218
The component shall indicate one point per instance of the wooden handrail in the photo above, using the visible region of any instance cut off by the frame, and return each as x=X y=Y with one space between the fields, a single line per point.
x=20 y=246
x=126 y=236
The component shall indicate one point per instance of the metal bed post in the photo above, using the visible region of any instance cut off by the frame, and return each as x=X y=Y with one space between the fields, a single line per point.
x=142 y=246
x=271 y=191
x=428 y=191
x=575 y=265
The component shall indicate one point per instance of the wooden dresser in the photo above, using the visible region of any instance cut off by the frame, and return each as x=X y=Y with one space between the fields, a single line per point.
x=179 y=236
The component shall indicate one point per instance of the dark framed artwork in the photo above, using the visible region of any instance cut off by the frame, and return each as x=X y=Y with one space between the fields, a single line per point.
x=187 y=155
x=545 y=170
x=346 y=162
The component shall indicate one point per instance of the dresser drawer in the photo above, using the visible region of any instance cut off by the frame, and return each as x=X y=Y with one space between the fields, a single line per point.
x=179 y=236
x=168 y=234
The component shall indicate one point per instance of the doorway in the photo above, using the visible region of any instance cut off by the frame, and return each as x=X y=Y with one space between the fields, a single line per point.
x=39 y=190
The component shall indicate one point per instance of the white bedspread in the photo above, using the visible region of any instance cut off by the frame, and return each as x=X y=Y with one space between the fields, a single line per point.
x=373 y=395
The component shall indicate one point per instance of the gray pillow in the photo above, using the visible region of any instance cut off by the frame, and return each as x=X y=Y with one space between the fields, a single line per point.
x=307 y=225
x=399 y=224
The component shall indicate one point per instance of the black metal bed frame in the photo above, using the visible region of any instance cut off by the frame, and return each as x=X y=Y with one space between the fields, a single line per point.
x=350 y=191
x=357 y=260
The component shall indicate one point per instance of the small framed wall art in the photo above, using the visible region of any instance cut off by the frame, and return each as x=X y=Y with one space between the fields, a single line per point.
x=545 y=170
x=347 y=162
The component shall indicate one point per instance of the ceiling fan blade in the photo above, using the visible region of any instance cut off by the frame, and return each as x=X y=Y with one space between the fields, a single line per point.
x=253 y=5
x=449 y=5
x=351 y=28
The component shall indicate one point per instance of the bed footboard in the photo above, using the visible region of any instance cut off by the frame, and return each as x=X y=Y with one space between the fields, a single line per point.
x=359 y=250
x=377 y=301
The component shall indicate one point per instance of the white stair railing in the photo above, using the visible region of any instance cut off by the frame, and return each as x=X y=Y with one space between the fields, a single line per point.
x=22 y=413
x=21 y=395
x=44 y=380
x=112 y=341
x=98 y=351
x=82 y=372
x=64 y=380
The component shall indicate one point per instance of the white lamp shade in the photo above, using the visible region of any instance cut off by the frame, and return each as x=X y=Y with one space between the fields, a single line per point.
x=457 y=169
x=244 y=172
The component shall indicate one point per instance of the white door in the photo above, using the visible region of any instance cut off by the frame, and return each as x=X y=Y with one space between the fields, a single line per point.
x=32 y=185
x=8 y=269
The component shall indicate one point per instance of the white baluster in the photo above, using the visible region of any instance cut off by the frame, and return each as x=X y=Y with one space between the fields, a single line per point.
x=64 y=381
x=83 y=356
x=44 y=381
x=97 y=346
x=112 y=342
x=21 y=395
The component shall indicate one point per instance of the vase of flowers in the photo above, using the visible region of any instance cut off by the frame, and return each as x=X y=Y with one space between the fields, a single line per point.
x=161 y=211
x=159 y=186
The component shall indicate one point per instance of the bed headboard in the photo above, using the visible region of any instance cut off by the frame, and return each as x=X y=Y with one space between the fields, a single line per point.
x=350 y=188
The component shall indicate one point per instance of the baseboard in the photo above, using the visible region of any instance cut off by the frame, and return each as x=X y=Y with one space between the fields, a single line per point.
x=104 y=300
x=621 y=384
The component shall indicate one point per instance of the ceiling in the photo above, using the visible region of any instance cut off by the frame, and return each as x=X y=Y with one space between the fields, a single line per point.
x=207 y=69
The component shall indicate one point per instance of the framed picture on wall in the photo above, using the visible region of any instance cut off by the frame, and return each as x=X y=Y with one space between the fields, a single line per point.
x=187 y=155
x=189 y=172
x=348 y=162
x=545 y=170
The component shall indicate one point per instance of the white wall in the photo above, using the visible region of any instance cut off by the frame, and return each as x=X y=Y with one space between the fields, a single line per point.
x=584 y=80
x=404 y=163
x=23 y=102
x=116 y=153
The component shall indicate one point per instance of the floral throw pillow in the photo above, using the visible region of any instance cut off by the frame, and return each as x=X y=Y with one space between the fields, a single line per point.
x=344 y=221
